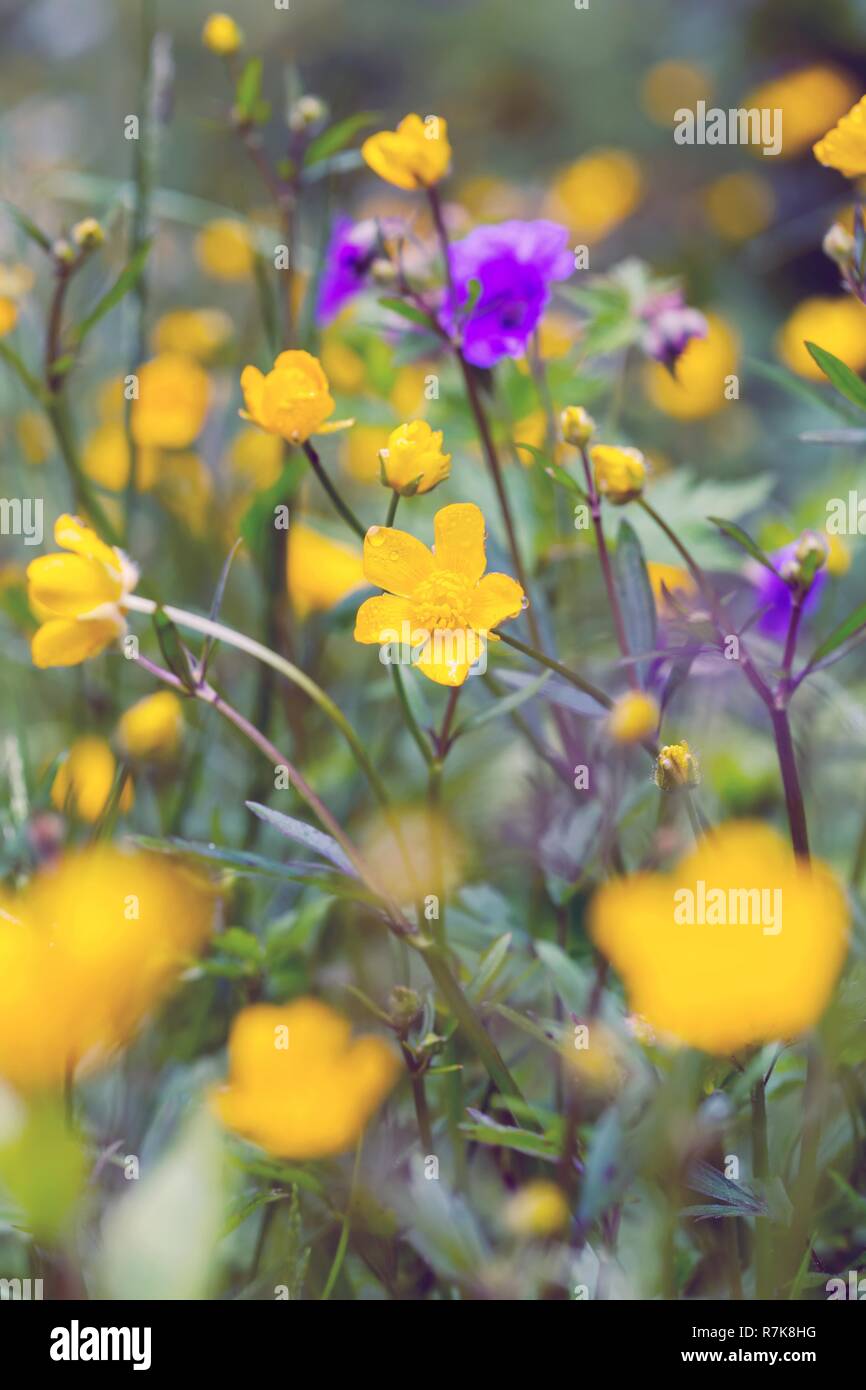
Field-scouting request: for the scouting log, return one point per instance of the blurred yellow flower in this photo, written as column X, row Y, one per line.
column 80, row 595
column 105, row 459
column 837, row 323
column 670, row 582
column 597, row 193
column 221, row 35
column 198, row 333
column 185, row 487
column 436, row 851
column 293, row 400
column 34, row 436
column 536, row 1210
column 344, row 367
column 577, row 426
column 88, row 233
column 596, row 1063
column 809, row 98
column 319, row 572
column 672, row 84
column 413, row 461
column 173, row 397
column 740, row 944
column 224, row 249
column 84, row 780
column 415, row 155
column 620, row 474
column 698, row 389
column 299, row 1085
column 256, row 458
column 8, row 316
column 360, row 451
column 407, row 394
column 15, row 280
column 739, row 206
column 676, row 767
column 635, row 716
column 87, row 948
column 153, row 727
column 838, row 556
column 437, row 603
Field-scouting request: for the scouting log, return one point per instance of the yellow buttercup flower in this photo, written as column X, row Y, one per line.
column 837, row 323
column 221, row 35
column 80, row 595
column 809, row 99
column 596, row 1063
column 198, row 333
column 319, row 572
column 740, row 944
column 8, row 315
column 105, row 459
column 620, row 474
column 437, row 603
column 538, row 1209
column 224, row 249
column 84, row 780
column 672, row 84
column 838, row 556
column 173, row 397
column 293, row 400
column 635, row 716
column 87, row 949
column 698, row 388
column 153, row 727
column 299, row 1085
column 597, row 193
column 256, row 458
column 739, row 206
column 413, row 461
column 844, row 147
column 670, row 582
column 435, row 848
column 676, row 767
column 415, row 155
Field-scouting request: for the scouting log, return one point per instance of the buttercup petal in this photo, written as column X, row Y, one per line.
column 459, row 540
column 65, row 642
column 396, row 561
column 385, row 618
column 496, row 598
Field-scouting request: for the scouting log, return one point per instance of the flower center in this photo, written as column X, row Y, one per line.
column 442, row 601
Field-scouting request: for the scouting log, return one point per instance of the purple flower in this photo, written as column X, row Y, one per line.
column 351, row 251
column 774, row 595
column 670, row 327
column 515, row 264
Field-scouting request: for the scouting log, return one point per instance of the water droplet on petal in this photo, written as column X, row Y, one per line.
column 524, row 602
column 376, row 536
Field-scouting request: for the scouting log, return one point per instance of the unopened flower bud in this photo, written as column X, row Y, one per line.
column 63, row 250
column 88, row 233
column 307, row 112
column 676, row 767
column 633, row 717
column 383, row 271
column 620, row 474
column 838, row 244
column 577, row 426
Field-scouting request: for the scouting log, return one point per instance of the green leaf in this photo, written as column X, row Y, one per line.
column 241, row 861
column 568, row 978
column 846, row 382
column 248, row 90
column 303, row 834
column 636, row 595
column 805, row 391
column 489, row 967
column 29, row 228
column 337, row 136
column 487, row 1131
column 406, row 311
column 8, row 355
column 504, row 705
column 126, row 280
column 173, row 651
column 744, row 540
column 846, row 629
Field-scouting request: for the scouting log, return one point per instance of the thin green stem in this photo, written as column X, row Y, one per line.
column 607, row 571
column 340, row 506
column 760, row 1168
column 411, row 722
column 343, row 1243
column 571, row 676
column 392, row 508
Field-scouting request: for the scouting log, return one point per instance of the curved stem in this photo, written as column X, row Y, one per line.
column 339, row 505
column 607, row 572
column 571, row 676
column 343, row 1242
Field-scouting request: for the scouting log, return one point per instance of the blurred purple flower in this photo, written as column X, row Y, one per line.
column 670, row 327
column 515, row 264
column 351, row 251
column 775, row 596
